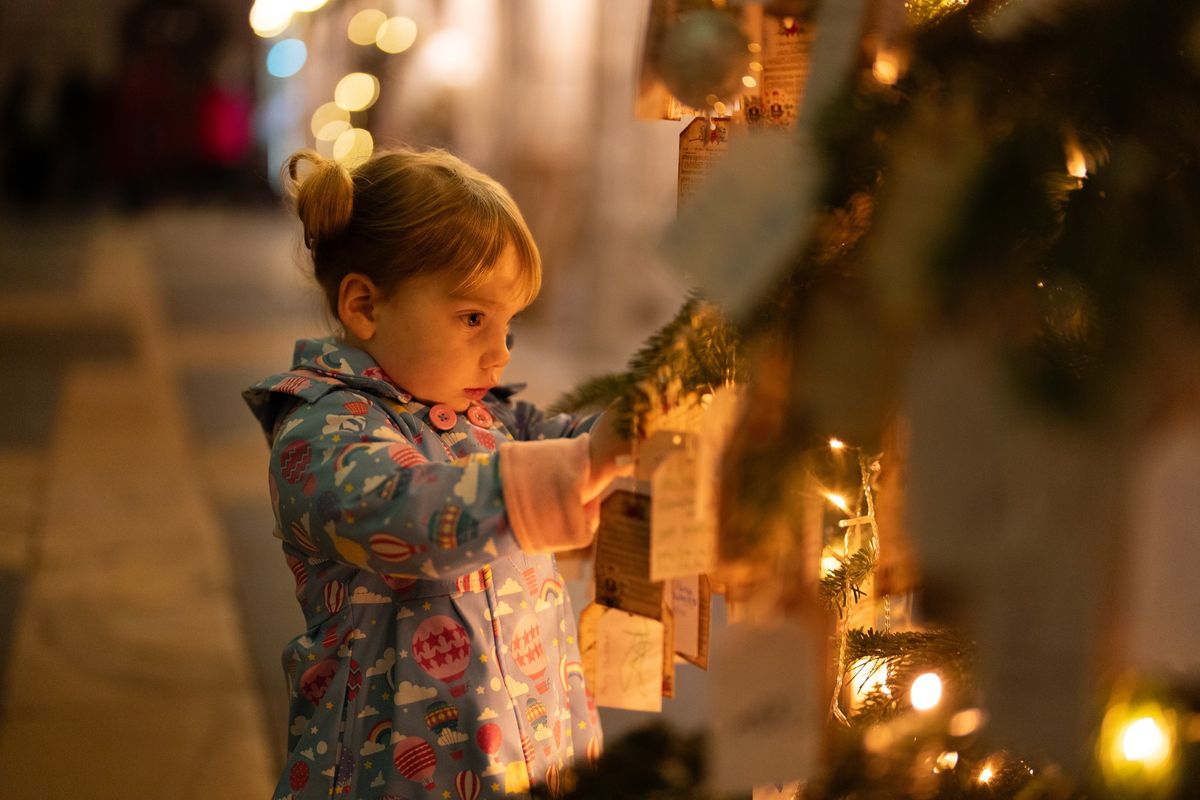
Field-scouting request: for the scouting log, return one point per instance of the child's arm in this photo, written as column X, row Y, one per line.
column 352, row 486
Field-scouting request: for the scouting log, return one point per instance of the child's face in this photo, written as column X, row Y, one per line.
column 444, row 347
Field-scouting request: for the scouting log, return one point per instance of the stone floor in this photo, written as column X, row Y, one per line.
column 144, row 603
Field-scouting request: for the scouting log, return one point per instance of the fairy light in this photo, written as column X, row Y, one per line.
column 364, row 26
column 946, row 761
column 837, row 500
column 965, row 722
column 836, row 444
column 868, row 674
column 986, row 774
column 886, row 68
column 396, row 35
column 926, row 691
column 1138, row 746
column 1145, row 741
column 749, row 81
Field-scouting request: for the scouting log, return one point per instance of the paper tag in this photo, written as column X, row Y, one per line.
column 668, row 650
column 719, row 421
column 622, row 570
column 691, row 608
column 787, row 44
column 622, row 658
column 767, row 685
column 683, row 542
column 701, row 145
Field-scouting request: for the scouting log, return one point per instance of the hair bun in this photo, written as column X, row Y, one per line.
column 323, row 193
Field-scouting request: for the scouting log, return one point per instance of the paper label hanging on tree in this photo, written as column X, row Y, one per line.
column 683, row 541
column 691, row 607
column 718, row 424
column 622, row 658
column 622, row 571
column 701, row 145
column 787, row 45
column 668, row 649
column 769, row 699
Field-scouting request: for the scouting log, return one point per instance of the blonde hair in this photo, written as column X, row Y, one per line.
column 405, row 213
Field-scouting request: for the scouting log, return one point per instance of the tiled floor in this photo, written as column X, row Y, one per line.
column 143, row 601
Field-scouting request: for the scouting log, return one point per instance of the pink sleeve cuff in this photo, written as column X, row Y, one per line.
column 543, row 483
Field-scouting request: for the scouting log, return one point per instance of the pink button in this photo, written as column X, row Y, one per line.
column 480, row 416
column 443, row 417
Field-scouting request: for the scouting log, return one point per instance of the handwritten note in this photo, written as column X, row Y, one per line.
column 622, row 571
column 691, row 609
column 622, row 658
column 767, row 720
column 683, row 541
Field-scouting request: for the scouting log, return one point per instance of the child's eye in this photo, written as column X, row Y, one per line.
column 472, row 320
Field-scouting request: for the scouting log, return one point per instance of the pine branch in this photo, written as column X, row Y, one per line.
column 594, row 393
column 844, row 584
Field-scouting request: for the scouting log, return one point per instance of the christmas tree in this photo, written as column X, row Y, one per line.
column 972, row 391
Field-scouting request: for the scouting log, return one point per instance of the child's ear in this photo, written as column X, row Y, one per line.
column 357, row 296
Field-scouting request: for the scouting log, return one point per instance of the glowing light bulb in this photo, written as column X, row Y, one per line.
column 836, row 444
column 946, row 761
column 838, row 501
column 1145, row 741
column 829, row 564
column 886, row 68
column 926, row 691
column 749, row 81
column 986, row 774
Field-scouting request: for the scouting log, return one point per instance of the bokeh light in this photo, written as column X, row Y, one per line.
column 357, row 91
column 269, row 18
column 353, row 147
column 396, row 35
column 364, row 26
column 450, row 58
column 926, row 691
column 327, row 115
column 308, row 6
column 286, row 57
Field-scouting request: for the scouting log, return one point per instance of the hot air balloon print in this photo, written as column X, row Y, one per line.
column 467, row 784
column 535, row 713
column 415, row 760
column 488, row 737
column 392, row 549
column 316, row 679
column 554, row 781
column 528, row 653
column 299, row 572
column 442, row 719
column 335, row 596
column 442, row 649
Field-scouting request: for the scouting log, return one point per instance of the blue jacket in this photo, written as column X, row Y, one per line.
column 440, row 659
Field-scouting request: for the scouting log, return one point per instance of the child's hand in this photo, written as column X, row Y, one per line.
column 609, row 453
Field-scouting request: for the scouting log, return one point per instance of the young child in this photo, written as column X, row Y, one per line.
column 418, row 505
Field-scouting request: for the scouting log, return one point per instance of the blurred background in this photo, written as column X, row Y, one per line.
column 151, row 272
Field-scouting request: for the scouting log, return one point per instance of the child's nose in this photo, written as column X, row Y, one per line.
column 497, row 355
